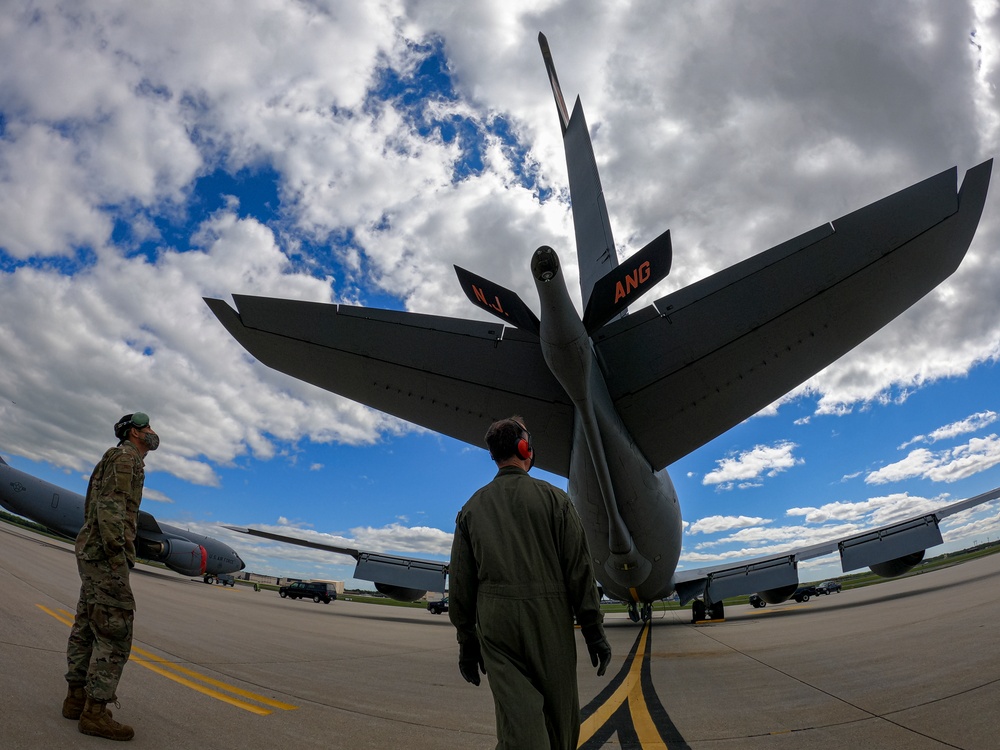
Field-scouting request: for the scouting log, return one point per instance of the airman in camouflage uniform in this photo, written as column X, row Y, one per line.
column 520, row 572
column 101, row 639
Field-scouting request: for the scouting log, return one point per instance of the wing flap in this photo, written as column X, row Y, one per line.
column 448, row 375
column 718, row 351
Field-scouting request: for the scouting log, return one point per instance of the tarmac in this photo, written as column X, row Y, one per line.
column 909, row 664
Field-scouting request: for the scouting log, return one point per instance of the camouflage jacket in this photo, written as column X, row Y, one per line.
column 112, row 507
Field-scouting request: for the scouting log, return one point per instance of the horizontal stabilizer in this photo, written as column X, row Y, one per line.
column 628, row 281
column 497, row 300
column 713, row 353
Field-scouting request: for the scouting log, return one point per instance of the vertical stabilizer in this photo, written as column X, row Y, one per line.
column 595, row 245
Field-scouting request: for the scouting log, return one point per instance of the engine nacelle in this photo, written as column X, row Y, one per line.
column 400, row 593
column 778, row 595
column 180, row 555
column 893, row 568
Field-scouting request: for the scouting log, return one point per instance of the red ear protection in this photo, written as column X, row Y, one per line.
column 524, row 449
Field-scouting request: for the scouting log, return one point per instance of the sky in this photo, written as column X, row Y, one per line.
column 152, row 154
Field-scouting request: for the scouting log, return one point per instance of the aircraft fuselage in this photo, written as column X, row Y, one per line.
column 61, row 511
column 630, row 512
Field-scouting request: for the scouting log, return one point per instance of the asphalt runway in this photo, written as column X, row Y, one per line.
column 908, row 664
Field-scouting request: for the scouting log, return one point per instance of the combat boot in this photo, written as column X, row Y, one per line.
column 76, row 698
column 96, row 720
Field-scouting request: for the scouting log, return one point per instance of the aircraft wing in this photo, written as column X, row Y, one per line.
column 449, row 375
column 712, row 354
column 389, row 571
column 885, row 544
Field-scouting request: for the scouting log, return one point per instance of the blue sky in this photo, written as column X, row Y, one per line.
column 150, row 157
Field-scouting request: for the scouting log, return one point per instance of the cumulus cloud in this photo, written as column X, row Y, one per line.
column 876, row 511
column 717, row 524
column 950, row 465
column 972, row 423
column 116, row 115
column 747, row 468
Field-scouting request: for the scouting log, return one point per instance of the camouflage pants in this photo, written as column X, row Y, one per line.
column 101, row 638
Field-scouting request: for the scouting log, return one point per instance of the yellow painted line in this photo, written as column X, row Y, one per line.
column 642, row 722
column 204, row 690
column 161, row 666
column 630, row 690
column 217, row 683
column 61, row 617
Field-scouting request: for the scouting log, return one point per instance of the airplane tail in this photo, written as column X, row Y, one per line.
column 595, row 244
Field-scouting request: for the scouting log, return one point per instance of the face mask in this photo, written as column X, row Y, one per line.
column 152, row 440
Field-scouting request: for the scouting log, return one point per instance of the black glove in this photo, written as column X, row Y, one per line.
column 599, row 648
column 470, row 660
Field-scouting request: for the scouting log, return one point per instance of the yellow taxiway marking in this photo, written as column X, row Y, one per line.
column 631, row 691
column 175, row 672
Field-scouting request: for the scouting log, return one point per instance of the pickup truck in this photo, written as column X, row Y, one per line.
column 437, row 608
column 828, row 587
column 802, row 593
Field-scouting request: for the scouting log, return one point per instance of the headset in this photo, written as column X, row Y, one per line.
column 523, row 448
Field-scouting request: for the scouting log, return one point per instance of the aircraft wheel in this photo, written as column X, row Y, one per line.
column 647, row 612
column 697, row 610
column 633, row 612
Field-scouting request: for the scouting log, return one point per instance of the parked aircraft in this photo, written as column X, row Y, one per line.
column 61, row 511
column 611, row 398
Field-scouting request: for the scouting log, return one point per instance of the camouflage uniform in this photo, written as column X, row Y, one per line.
column 101, row 639
column 520, row 571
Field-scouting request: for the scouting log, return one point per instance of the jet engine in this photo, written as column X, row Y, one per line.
column 400, row 593
column 180, row 555
column 778, row 595
column 893, row 568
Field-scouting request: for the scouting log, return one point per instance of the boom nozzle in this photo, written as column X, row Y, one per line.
column 544, row 263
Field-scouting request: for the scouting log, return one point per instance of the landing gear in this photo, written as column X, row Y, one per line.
column 702, row 611
column 635, row 614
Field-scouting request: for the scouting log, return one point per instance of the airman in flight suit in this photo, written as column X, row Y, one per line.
column 520, row 573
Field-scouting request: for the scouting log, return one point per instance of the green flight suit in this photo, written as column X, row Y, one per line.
column 100, row 640
column 520, row 572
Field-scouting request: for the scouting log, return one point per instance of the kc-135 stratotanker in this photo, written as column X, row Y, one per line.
column 61, row 511
column 612, row 398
